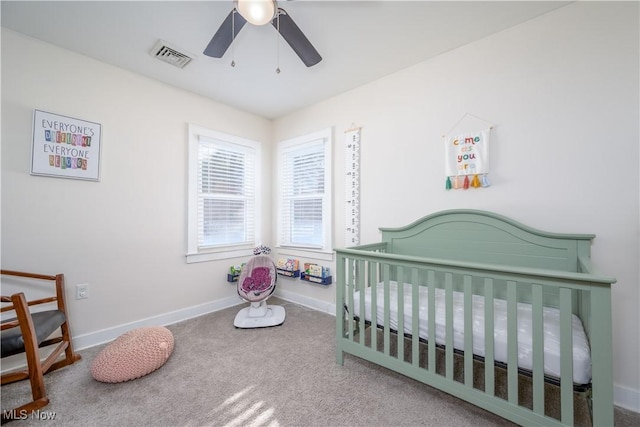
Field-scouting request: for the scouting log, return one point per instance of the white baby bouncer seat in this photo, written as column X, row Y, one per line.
column 256, row 283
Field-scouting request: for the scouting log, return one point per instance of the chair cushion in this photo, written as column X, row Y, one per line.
column 133, row 354
column 44, row 322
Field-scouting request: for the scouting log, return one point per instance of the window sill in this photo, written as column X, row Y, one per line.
column 214, row 256
column 306, row 253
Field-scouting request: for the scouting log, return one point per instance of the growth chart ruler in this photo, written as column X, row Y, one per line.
column 352, row 187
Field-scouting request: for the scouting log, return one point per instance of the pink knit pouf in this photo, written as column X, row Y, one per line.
column 133, row 354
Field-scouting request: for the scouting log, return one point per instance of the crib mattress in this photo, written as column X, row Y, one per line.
column 551, row 316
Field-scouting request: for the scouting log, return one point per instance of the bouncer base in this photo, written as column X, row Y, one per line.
column 260, row 316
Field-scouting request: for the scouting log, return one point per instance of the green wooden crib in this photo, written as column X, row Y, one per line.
column 492, row 289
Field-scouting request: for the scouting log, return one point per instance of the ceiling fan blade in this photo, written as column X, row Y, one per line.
column 296, row 38
column 222, row 38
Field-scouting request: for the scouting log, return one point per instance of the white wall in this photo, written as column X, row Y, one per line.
column 562, row 94
column 126, row 235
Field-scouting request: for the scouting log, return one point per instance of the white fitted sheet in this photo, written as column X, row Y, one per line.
column 551, row 316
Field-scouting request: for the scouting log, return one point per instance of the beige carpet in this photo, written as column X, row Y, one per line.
column 282, row 376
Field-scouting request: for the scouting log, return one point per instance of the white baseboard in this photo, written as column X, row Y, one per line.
column 92, row 339
column 313, row 303
column 106, row 335
column 626, row 398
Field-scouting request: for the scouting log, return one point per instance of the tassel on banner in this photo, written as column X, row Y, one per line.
column 466, row 181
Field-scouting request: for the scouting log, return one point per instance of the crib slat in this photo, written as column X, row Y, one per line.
column 489, row 368
column 566, row 357
column 431, row 279
column 538, row 349
column 415, row 321
column 374, row 312
column 350, row 288
column 468, row 333
column 360, row 286
column 512, row 342
column 400, row 334
column 340, row 309
column 448, row 285
column 387, row 315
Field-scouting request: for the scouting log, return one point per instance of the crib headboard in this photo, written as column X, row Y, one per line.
column 486, row 237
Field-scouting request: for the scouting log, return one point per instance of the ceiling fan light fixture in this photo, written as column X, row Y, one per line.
column 257, row 12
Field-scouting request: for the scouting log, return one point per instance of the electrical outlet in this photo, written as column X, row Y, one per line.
column 82, row 291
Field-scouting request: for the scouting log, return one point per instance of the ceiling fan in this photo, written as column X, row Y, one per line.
column 261, row 12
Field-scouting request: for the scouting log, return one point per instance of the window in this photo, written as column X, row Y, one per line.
column 224, row 205
column 304, row 199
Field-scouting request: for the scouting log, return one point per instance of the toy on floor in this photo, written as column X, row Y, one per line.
column 134, row 354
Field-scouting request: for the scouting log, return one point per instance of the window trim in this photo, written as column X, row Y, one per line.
column 327, row 212
column 194, row 254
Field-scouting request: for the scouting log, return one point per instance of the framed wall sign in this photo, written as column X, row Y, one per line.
column 65, row 147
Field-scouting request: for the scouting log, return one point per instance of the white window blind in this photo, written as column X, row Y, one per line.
column 224, row 203
column 226, row 194
column 304, row 183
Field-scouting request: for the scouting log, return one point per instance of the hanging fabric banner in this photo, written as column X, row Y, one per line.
column 467, row 159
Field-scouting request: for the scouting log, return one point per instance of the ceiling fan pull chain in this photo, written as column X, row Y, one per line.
column 278, row 42
column 233, row 37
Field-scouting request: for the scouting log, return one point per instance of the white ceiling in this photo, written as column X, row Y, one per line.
column 360, row 41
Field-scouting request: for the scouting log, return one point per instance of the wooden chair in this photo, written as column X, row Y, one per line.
column 28, row 332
